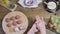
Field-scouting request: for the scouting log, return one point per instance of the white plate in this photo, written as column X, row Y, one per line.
column 21, row 2
column 22, row 17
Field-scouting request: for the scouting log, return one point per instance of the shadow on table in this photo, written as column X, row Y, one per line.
column 1, row 29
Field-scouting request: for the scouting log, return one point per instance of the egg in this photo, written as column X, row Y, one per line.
column 50, row 25
column 58, row 30
column 52, row 21
column 54, row 27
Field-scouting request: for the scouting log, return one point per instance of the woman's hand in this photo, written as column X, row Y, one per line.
column 40, row 24
column 33, row 29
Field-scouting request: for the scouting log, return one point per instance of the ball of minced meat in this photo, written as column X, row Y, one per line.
column 17, row 16
column 12, row 18
column 7, row 20
column 9, row 25
column 19, row 22
column 14, row 23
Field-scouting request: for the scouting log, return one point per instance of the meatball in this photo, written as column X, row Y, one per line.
column 14, row 23
column 9, row 25
column 12, row 18
column 18, row 22
column 17, row 16
column 52, row 21
column 7, row 20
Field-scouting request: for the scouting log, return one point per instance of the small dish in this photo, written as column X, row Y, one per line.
column 9, row 5
column 54, row 5
column 29, row 2
column 33, row 5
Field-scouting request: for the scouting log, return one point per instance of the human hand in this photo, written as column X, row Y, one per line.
column 40, row 24
column 33, row 29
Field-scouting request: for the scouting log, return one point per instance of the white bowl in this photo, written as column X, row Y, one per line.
column 52, row 5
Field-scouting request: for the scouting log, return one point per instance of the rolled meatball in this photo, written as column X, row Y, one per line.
column 18, row 22
column 17, row 16
column 9, row 25
column 12, row 18
column 7, row 20
column 14, row 23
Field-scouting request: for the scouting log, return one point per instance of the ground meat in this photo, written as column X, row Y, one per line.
column 14, row 23
column 17, row 16
column 12, row 18
column 18, row 22
column 9, row 25
column 7, row 20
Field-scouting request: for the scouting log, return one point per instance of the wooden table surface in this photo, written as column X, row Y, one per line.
column 30, row 13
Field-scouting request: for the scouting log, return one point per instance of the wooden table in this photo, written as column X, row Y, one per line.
column 30, row 13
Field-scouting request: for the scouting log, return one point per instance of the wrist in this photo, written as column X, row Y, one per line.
column 31, row 32
column 43, row 31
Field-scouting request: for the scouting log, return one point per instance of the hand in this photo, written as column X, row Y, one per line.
column 33, row 29
column 40, row 24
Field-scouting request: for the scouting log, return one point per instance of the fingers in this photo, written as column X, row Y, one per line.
column 42, row 19
column 37, row 19
column 35, row 28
